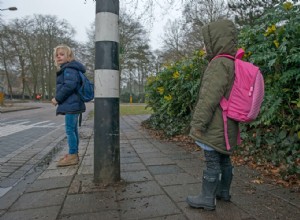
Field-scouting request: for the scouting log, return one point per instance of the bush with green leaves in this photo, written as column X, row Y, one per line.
column 274, row 46
column 172, row 94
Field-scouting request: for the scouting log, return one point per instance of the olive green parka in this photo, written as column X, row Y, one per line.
column 207, row 126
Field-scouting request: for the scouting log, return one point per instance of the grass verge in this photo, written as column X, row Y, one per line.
column 134, row 109
column 131, row 109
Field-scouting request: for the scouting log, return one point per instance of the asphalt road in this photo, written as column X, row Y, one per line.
column 19, row 128
column 30, row 135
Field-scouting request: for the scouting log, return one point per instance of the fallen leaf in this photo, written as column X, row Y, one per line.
column 257, row 181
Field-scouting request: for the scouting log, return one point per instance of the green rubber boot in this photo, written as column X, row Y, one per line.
column 207, row 198
column 223, row 190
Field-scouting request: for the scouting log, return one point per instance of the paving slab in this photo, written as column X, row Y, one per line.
column 47, row 184
column 156, row 154
column 165, row 169
column 147, row 207
column 40, row 199
column 287, row 195
column 14, row 193
column 89, row 203
column 158, row 161
column 138, row 190
column 136, row 176
column 105, row 215
column 175, row 179
column 178, row 193
column 132, row 166
column 225, row 211
column 45, row 213
column 135, row 159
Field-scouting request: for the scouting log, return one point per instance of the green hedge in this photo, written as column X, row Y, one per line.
column 172, row 94
column 273, row 44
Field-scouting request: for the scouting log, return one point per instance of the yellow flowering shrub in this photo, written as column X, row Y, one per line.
column 276, row 43
column 168, row 97
column 288, row 6
column 176, row 75
column 270, row 30
column 160, row 90
column 173, row 94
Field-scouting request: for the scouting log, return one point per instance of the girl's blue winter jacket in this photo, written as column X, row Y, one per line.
column 67, row 83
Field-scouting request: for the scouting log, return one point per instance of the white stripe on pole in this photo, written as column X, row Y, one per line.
column 107, row 83
column 107, row 24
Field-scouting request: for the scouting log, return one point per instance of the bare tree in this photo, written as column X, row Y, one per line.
column 205, row 11
column 196, row 14
column 86, row 52
column 246, row 12
column 30, row 42
column 49, row 32
column 173, row 41
column 183, row 36
column 14, row 42
column 135, row 52
column 5, row 56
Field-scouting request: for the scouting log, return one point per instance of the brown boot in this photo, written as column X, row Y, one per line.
column 68, row 160
column 63, row 157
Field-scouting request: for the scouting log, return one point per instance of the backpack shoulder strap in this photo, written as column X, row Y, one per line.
column 224, row 55
column 239, row 55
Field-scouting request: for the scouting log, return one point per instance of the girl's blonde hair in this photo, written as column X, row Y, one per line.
column 68, row 51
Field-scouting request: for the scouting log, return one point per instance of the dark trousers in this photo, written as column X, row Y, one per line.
column 216, row 161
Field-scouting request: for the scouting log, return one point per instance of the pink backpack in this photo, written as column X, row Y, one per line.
column 246, row 96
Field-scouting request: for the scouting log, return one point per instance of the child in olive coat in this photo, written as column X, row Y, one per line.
column 207, row 127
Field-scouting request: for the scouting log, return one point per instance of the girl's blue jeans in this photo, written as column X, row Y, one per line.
column 71, row 123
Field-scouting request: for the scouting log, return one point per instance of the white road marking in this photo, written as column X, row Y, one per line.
column 8, row 128
column 3, row 191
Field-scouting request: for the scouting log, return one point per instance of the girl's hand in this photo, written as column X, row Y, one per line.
column 54, row 102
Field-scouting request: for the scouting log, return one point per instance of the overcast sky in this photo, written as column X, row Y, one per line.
column 78, row 13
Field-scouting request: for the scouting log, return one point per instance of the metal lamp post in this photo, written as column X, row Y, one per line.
column 9, row 9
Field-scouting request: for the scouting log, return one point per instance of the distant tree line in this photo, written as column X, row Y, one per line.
column 26, row 55
column 26, row 45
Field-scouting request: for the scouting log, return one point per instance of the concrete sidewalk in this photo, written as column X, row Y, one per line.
column 156, row 178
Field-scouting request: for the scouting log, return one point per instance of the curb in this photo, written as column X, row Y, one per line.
column 14, row 109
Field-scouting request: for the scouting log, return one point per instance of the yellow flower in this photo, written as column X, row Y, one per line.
column 160, row 90
column 270, row 30
column 176, row 75
column 273, row 28
column 276, row 43
column 168, row 97
column 201, row 53
column 287, row 6
column 247, row 54
column 150, row 79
